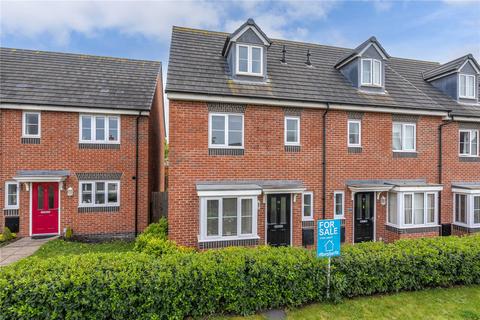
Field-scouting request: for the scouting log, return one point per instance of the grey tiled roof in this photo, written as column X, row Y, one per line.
column 451, row 66
column 76, row 80
column 196, row 66
column 360, row 48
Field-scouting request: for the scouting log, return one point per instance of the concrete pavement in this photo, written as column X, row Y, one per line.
column 20, row 249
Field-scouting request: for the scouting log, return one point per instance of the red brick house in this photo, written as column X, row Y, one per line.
column 267, row 136
column 81, row 143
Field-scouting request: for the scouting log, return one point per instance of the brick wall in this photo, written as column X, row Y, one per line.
column 265, row 158
column 59, row 150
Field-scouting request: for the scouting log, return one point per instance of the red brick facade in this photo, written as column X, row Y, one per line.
column 59, row 150
column 265, row 158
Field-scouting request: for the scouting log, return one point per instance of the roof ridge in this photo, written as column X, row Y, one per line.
column 77, row 54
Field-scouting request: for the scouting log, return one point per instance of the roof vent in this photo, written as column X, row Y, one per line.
column 284, row 51
column 308, row 63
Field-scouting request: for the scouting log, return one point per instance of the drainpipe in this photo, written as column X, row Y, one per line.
column 136, row 172
column 324, row 160
column 440, row 167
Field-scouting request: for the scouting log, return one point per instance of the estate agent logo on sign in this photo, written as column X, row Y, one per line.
column 328, row 238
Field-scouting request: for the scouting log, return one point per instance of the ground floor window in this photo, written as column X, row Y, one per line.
column 412, row 209
column 99, row 193
column 467, row 209
column 228, row 217
column 11, row 195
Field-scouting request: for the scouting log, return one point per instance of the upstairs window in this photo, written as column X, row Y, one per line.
column 249, row 60
column 354, row 133
column 99, row 129
column 468, row 143
column 11, row 195
column 225, row 130
column 371, row 72
column 404, row 137
column 31, row 125
column 307, row 206
column 467, row 86
column 292, row 131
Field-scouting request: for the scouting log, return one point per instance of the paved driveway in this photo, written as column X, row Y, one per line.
column 20, row 249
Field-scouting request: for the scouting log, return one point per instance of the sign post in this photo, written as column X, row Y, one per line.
column 328, row 242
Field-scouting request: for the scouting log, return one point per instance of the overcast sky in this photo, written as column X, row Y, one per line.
column 426, row 30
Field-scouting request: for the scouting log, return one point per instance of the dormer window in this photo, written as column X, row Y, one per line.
column 249, row 60
column 467, row 86
column 371, row 72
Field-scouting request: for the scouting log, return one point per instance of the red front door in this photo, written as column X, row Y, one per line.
column 45, row 208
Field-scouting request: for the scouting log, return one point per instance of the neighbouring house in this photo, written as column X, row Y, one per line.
column 267, row 136
column 81, row 143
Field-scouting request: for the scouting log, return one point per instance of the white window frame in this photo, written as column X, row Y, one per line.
column 203, row 218
column 8, row 206
column 225, row 145
column 250, row 61
column 371, row 82
column 24, row 125
column 466, row 96
column 94, row 183
column 401, row 210
column 289, row 143
column 469, row 210
column 402, row 137
column 307, row 218
column 335, row 204
column 470, row 132
column 359, row 144
column 94, row 129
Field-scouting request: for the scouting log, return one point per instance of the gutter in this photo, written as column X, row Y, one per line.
column 440, row 167
column 324, row 160
column 136, row 172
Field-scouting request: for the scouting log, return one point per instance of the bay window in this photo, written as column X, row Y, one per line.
column 228, row 217
column 412, row 209
column 225, row 130
column 99, row 193
column 467, row 209
column 99, row 129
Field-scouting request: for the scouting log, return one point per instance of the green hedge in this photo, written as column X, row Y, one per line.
column 235, row 280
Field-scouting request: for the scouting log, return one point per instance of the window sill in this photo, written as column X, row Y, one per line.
column 30, row 140
column 99, row 209
column 292, row 148
column 228, row 242
column 83, row 145
column 353, row 149
column 413, row 229
column 308, row 224
column 469, row 158
column 249, row 74
column 466, row 228
column 226, row 151
column 11, row 212
column 405, row 154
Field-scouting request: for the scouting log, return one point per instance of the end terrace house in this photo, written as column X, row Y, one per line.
column 267, row 136
column 81, row 140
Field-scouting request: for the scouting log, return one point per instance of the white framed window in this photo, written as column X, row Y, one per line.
column 467, row 88
column 338, row 200
column 354, row 133
column 249, row 60
column 468, row 143
column 31, row 124
column 466, row 210
column 225, row 130
column 99, row 129
column 292, row 131
column 404, row 137
column 307, row 206
column 228, row 217
column 371, row 72
column 99, row 193
column 412, row 209
column 12, row 193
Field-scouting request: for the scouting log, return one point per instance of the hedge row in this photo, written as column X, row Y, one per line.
column 235, row 280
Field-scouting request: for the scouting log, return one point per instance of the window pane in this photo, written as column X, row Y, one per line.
column 234, row 130
column 463, row 85
column 112, row 129
column 461, row 208
column 292, row 130
column 307, row 205
column 31, row 121
column 100, row 128
column 87, row 193
column 338, row 204
column 247, row 216
column 397, row 137
column 474, row 144
column 407, row 208
column 283, row 210
column 256, row 60
column 464, row 142
column 218, row 129
column 419, row 208
column 292, row 124
column 112, row 193
column 51, row 197
column 354, row 133
column 243, row 58
column 392, row 208
column 377, row 68
column 292, row 136
column 100, row 193
column 212, row 217
column 367, row 71
column 430, row 208
column 12, row 194
column 229, row 217
column 476, row 209
column 409, row 137
column 40, row 197
column 235, row 139
column 86, row 128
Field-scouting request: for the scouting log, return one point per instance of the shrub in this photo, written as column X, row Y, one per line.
column 159, row 229
column 7, row 234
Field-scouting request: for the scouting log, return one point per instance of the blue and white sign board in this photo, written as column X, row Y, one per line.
column 328, row 238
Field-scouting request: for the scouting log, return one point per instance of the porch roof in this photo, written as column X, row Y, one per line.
column 249, row 185
column 41, row 175
column 466, row 187
column 387, row 185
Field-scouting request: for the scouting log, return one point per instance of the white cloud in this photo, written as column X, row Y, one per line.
column 382, row 5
